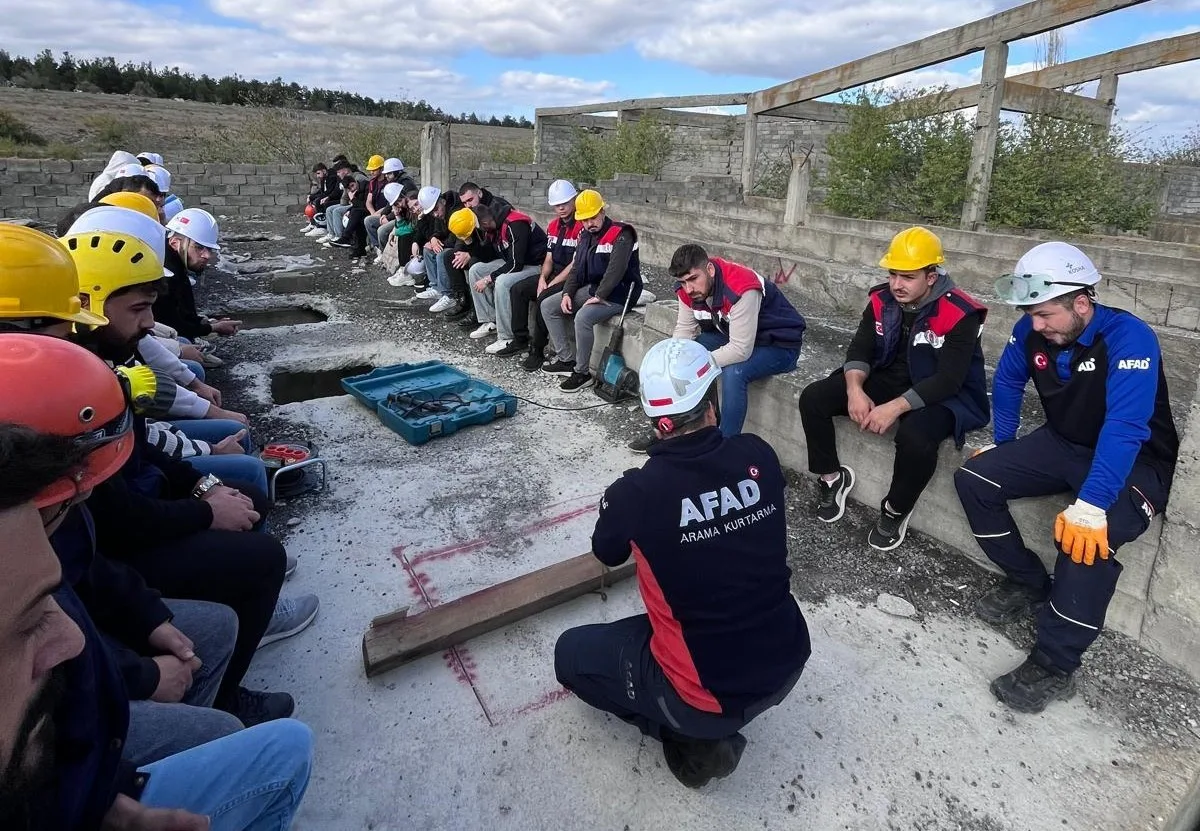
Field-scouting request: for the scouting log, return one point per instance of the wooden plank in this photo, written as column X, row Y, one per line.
column 1144, row 56
column 397, row 641
column 724, row 99
column 1014, row 24
column 987, row 128
column 1018, row 98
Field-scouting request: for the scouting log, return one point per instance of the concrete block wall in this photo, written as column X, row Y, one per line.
column 44, row 189
column 1181, row 194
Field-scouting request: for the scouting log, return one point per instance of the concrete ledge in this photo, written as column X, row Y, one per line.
column 1155, row 602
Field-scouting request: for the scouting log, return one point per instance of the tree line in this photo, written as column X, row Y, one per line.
column 69, row 73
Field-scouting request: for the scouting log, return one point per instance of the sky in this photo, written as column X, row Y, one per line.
column 495, row 57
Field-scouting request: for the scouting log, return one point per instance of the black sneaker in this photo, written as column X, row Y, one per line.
column 558, row 368
column 255, row 707
column 469, row 319
column 695, row 762
column 1009, row 601
column 1033, row 685
column 889, row 531
column 514, row 347
column 533, row 361
column 576, row 382
column 642, row 444
column 462, row 306
column 342, row 243
column 832, row 503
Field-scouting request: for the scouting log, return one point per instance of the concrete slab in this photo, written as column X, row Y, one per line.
column 892, row 725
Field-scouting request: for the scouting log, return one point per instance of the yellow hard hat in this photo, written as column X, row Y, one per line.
column 463, row 223
column 375, row 162
column 588, row 203
column 108, row 262
column 132, row 201
column 911, row 250
column 38, row 278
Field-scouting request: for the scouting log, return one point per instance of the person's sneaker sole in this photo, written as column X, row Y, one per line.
column 287, row 633
column 1020, row 706
column 892, row 545
column 843, row 494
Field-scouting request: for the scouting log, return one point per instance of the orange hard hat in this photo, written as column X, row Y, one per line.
column 91, row 407
column 310, row 210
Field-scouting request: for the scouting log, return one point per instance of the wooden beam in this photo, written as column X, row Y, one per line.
column 1018, row 98
column 1144, row 56
column 749, row 153
column 987, row 128
column 726, row 99
column 1014, row 24
column 397, row 639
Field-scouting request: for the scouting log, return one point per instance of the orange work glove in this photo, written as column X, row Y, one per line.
column 1081, row 531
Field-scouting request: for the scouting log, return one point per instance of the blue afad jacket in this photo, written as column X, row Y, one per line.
column 704, row 519
column 1106, row 391
column 934, row 321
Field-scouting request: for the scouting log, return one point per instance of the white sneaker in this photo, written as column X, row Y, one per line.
column 484, row 330
column 395, row 280
column 493, row 348
column 429, row 294
column 403, row 278
column 442, row 304
column 315, row 231
column 324, row 238
column 304, row 229
column 378, row 259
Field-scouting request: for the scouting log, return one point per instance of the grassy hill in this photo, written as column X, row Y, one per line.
column 83, row 124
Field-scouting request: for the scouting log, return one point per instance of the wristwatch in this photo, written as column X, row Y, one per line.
column 204, row 486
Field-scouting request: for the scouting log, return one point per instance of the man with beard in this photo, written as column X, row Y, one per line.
column 191, row 247
column 1109, row 440
column 63, row 711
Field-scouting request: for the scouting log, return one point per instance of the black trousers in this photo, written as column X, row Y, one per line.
column 918, row 434
column 1041, row 464
column 523, row 294
column 356, row 230
column 241, row 569
column 458, row 276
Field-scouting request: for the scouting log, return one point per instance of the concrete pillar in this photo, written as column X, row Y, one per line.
column 435, row 154
column 987, row 127
column 795, row 211
column 749, row 151
column 538, row 137
column 1106, row 93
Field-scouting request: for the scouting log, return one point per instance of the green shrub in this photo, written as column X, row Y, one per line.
column 110, row 132
column 511, row 153
column 53, row 150
column 17, row 131
column 643, row 146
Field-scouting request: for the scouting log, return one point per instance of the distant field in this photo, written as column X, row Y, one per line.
column 91, row 124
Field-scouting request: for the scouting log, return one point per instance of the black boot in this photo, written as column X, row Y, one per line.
column 1033, row 685
column 696, row 761
column 1009, row 601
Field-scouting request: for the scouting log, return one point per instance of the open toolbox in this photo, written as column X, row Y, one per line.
column 422, row 401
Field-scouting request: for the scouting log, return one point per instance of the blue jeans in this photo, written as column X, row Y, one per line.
column 212, row 430
column 196, row 367
column 435, row 271
column 736, row 378
column 233, row 467
column 335, row 220
column 253, row 780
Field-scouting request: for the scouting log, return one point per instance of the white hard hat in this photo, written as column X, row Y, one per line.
column 393, row 166
column 391, row 192
column 415, row 267
column 124, row 221
column 161, row 177
column 131, row 169
column 675, row 375
column 171, row 207
column 561, row 191
column 153, row 158
column 427, row 198
column 196, row 224
column 1049, row 270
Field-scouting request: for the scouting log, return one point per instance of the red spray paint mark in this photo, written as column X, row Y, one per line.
column 541, row 703
column 782, row 276
column 449, row 551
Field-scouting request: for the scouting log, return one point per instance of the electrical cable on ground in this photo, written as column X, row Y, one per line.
column 409, row 405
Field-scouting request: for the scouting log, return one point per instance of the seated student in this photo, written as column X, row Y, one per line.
column 472, row 247
column 116, row 163
column 192, row 246
column 605, row 277
column 154, row 643
column 562, row 237
column 723, row 639
column 396, row 203
column 752, row 330
column 433, row 239
column 915, row 362
column 364, row 194
column 344, row 175
column 141, row 184
column 171, row 204
column 63, row 707
column 316, row 200
column 381, row 209
column 522, row 244
column 147, row 159
column 472, row 196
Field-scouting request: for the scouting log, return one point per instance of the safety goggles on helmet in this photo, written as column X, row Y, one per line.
column 1031, row 289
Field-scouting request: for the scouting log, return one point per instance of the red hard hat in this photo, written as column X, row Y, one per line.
column 310, row 211
column 89, row 405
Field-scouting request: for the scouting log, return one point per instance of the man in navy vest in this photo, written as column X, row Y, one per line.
column 723, row 638
column 605, row 277
column 562, row 238
column 521, row 243
column 916, row 362
column 752, row 330
column 1109, row 439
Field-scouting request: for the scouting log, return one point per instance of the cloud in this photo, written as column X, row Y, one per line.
column 541, row 89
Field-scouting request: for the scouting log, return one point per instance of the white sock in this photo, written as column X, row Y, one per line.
column 830, row 478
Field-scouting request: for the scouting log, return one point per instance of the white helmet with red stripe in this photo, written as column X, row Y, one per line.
column 675, row 376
